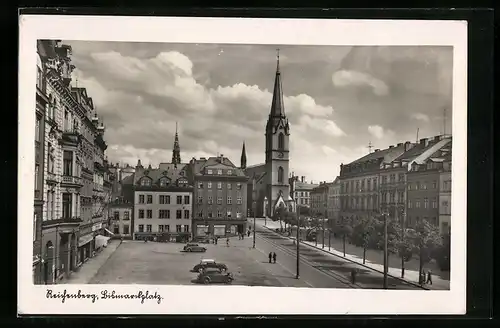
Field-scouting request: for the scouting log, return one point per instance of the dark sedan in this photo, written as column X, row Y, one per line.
column 194, row 248
column 214, row 276
column 209, row 264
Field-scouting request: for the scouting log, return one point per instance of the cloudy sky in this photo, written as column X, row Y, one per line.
column 338, row 99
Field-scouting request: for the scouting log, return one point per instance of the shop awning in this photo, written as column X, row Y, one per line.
column 85, row 240
column 112, row 234
column 100, row 241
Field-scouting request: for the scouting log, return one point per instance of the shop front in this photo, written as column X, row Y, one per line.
column 220, row 228
column 84, row 248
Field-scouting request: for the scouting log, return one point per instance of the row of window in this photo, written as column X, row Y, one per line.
column 220, row 172
column 426, row 203
column 229, row 185
column 126, row 229
column 302, row 201
column 302, row 194
column 371, row 184
column 163, row 199
column 229, row 200
column 164, row 182
column 164, row 214
column 220, row 214
column 126, row 215
column 164, row 228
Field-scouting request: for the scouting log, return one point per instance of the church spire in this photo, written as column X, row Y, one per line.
column 243, row 157
column 277, row 106
column 176, row 152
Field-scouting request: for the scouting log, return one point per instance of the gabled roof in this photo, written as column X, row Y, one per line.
column 430, row 150
column 386, row 155
column 220, row 162
column 156, row 174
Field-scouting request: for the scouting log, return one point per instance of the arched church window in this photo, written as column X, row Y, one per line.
column 281, row 141
column 280, row 175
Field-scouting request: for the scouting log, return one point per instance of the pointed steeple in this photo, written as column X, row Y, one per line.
column 176, row 152
column 139, row 163
column 243, row 157
column 277, row 106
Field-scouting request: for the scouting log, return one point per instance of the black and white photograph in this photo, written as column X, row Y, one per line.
column 222, row 168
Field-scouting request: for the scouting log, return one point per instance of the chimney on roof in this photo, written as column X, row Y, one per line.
column 408, row 145
column 437, row 138
column 391, row 146
column 376, row 150
column 400, row 144
column 302, row 178
column 203, row 159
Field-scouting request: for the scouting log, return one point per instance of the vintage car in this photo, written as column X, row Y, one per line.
column 209, row 264
column 191, row 247
column 214, row 276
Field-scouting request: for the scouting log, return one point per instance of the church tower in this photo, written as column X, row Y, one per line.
column 277, row 147
column 176, row 152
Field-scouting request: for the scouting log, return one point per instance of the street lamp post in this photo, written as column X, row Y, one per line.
column 298, row 241
column 386, row 264
column 253, row 207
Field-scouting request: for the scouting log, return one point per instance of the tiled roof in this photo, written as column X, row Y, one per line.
column 166, row 171
column 215, row 163
column 386, row 155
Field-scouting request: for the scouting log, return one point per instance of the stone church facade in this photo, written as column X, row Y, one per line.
column 268, row 184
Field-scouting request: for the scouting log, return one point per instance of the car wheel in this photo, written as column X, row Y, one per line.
column 206, row 280
column 189, row 250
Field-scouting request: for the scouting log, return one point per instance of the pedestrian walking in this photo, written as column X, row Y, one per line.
column 429, row 277
column 270, row 256
column 227, row 242
column 242, row 236
column 216, row 240
column 248, row 233
column 274, row 257
column 353, row 275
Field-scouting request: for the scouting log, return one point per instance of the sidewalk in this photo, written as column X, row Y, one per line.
column 89, row 269
column 374, row 259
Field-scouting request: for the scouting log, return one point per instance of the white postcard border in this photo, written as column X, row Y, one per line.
column 239, row 299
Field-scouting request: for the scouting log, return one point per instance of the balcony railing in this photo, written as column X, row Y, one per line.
column 72, row 180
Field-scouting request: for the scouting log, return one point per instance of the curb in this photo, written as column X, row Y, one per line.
column 354, row 262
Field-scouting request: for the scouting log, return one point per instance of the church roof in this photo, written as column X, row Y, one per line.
column 277, row 105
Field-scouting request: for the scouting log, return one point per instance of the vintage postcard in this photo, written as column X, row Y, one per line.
column 241, row 166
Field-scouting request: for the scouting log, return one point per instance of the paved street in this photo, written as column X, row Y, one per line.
column 164, row 263
column 324, row 270
column 137, row 262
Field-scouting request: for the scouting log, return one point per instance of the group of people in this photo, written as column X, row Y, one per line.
column 272, row 257
column 426, row 278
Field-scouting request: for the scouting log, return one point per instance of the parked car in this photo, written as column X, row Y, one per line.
column 191, row 247
column 209, row 264
column 210, row 276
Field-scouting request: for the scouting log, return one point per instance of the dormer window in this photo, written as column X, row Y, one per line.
column 182, row 182
column 146, row 182
column 209, row 171
column 164, row 182
column 219, row 172
column 181, row 173
column 229, row 172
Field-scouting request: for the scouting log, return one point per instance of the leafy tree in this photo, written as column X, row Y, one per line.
column 362, row 232
column 278, row 216
column 426, row 240
column 404, row 246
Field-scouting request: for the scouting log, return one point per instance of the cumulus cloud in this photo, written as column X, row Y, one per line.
column 344, row 78
column 420, row 117
column 376, row 130
column 221, row 99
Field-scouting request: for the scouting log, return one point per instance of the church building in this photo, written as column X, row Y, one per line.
column 268, row 185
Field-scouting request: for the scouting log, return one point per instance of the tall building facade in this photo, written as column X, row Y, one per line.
column 268, row 185
column 319, row 200
column 333, row 201
column 380, row 182
column 64, row 164
column 300, row 190
column 120, row 213
column 220, row 196
column 163, row 204
column 41, row 105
